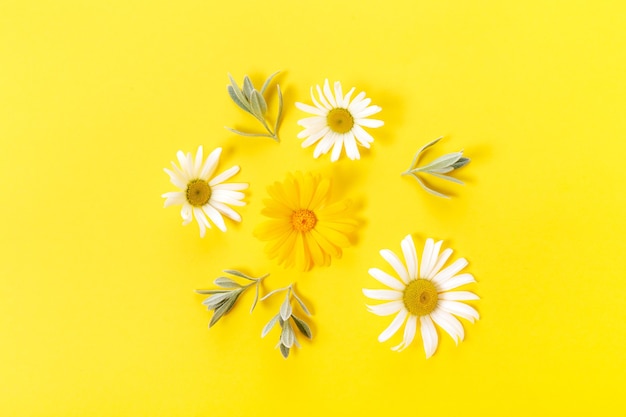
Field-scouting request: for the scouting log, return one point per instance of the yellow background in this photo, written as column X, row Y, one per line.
column 97, row 311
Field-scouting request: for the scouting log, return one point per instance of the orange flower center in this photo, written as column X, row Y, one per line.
column 303, row 220
column 198, row 192
column 340, row 120
column 420, row 297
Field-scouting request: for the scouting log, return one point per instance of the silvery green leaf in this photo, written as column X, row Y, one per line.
column 256, row 296
column 247, row 87
column 422, row 149
column 443, row 161
column 306, row 310
column 284, row 350
column 225, row 282
column 258, row 104
column 241, row 104
column 239, row 274
column 251, row 135
column 287, row 336
column 285, row 309
column 425, row 187
column 224, row 308
column 461, row 163
column 237, row 91
column 443, row 170
column 303, row 327
column 280, row 109
column 209, row 291
column 270, row 325
column 216, row 299
column 267, row 82
column 448, row 178
column 272, row 293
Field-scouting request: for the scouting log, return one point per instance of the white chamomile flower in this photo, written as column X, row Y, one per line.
column 338, row 122
column 203, row 195
column 423, row 295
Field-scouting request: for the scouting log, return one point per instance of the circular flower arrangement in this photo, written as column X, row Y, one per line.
column 305, row 228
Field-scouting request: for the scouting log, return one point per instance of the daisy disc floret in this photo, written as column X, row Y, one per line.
column 202, row 194
column 304, row 228
column 337, row 122
column 421, row 295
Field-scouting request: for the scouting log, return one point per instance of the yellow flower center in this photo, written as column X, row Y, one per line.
column 198, row 192
column 340, row 120
column 420, row 297
column 303, row 220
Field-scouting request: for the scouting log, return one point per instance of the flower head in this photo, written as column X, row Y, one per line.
column 201, row 194
column 338, row 122
column 423, row 295
column 304, row 229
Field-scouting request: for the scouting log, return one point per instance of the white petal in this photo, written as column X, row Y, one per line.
column 314, row 137
column 386, row 309
column 410, row 257
column 186, row 214
column 226, row 211
column 409, row 334
column 383, row 295
column 198, row 162
column 434, row 255
column 325, row 102
column 226, row 200
column 317, row 104
column 312, row 122
column 224, row 175
column 324, row 145
column 230, row 186
column 443, row 258
column 176, row 179
column 329, row 94
column 429, row 335
column 220, row 195
column 450, row 271
column 359, row 103
column 346, row 98
column 339, row 95
column 394, row 326
column 459, row 309
column 184, row 166
column 367, row 112
column 310, row 109
column 336, row 149
column 449, row 324
column 396, row 264
column 203, row 223
column 373, row 123
column 351, row 149
column 386, row 279
column 362, row 136
column 215, row 217
column 457, row 281
column 458, row 296
column 427, row 257
column 210, row 165
column 174, row 198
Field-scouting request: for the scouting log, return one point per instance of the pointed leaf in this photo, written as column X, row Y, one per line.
column 285, row 309
column 461, row 163
column 257, row 104
column 223, row 309
column 443, row 161
column 239, row 274
column 247, row 87
column 425, row 187
column 303, row 327
column 256, row 297
column 267, row 82
column 306, row 310
column 448, row 178
column 270, row 325
column 280, row 111
column 235, row 97
column 287, row 336
column 209, row 291
column 225, row 282
column 284, row 350
column 252, row 135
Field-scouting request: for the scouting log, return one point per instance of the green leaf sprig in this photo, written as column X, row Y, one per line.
column 222, row 301
column 438, row 168
column 288, row 335
column 252, row 101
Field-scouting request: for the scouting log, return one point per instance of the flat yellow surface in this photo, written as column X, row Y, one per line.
column 97, row 311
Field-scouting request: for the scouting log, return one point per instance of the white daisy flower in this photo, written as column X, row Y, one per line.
column 203, row 195
column 338, row 122
column 422, row 296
